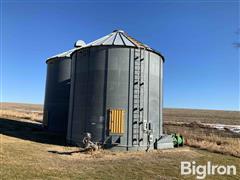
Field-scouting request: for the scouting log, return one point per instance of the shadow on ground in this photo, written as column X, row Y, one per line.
column 29, row 131
column 66, row 152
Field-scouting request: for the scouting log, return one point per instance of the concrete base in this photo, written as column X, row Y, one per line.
column 131, row 148
column 165, row 142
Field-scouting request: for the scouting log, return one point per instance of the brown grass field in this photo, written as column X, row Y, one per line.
column 22, row 111
column 204, row 116
column 188, row 122
column 29, row 152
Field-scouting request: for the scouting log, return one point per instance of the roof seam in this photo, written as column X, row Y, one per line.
column 120, row 34
column 107, row 39
column 126, row 36
column 114, row 39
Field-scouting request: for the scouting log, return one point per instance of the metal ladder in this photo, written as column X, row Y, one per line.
column 138, row 95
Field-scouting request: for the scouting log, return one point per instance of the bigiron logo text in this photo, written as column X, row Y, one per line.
column 201, row 171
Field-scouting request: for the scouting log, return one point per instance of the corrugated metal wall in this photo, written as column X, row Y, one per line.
column 57, row 93
column 102, row 79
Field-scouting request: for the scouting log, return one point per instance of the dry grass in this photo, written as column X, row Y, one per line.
column 34, row 116
column 203, row 116
column 22, row 111
column 215, row 143
column 204, row 137
column 21, row 106
column 188, row 122
column 28, row 159
column 28, row 152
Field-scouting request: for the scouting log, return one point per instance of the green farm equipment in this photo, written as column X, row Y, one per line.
column 178, row 140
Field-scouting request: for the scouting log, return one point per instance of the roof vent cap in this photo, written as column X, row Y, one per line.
column 79, row 43
column 118, row 30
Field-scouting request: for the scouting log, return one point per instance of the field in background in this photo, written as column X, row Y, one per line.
column 203, row 116
column 21, row 106
column 35, row 112
column 211, row 139
column 22, row 111
column 194, row 126
column 29, row 152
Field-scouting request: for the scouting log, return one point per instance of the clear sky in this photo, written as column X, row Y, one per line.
column 196, row 37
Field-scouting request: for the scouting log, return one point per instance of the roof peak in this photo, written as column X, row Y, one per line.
column 117, row 37
column 118, row 30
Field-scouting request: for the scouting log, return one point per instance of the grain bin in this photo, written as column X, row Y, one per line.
column 116, row 93
column 57, row 91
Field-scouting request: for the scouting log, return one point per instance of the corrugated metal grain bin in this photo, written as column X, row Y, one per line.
column 116, row 93
column 57, row 91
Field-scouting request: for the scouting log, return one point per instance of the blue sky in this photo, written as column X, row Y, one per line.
column 201, row 68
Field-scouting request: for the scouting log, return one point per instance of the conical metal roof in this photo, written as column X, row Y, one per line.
column 120, row 38
column 116, row 38
column 64, row 54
